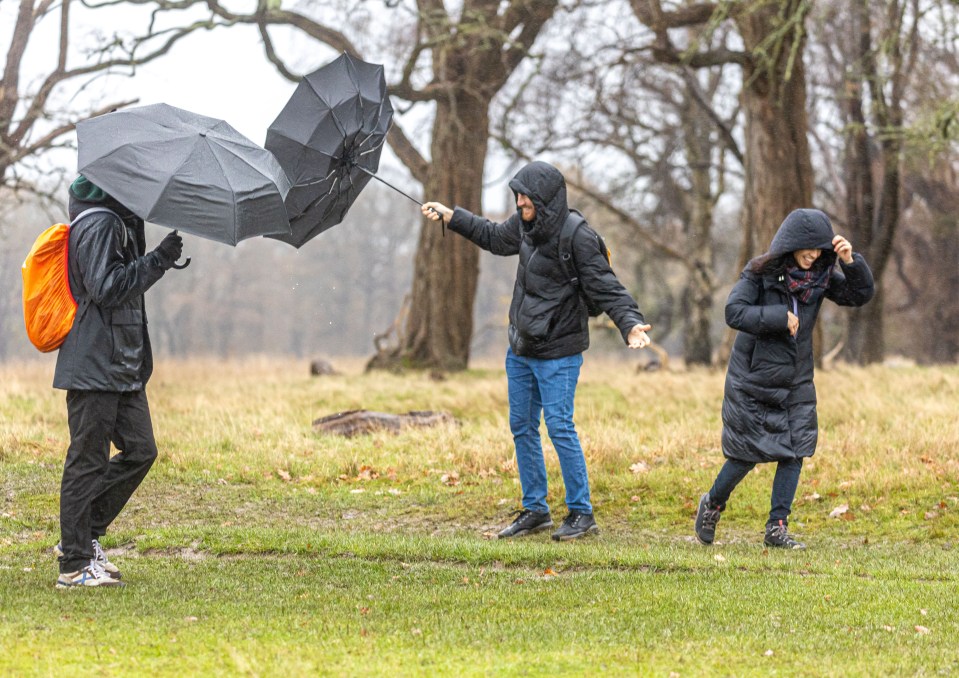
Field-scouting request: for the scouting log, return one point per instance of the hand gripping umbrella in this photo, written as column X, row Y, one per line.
column 328, row 138
column 186, row 171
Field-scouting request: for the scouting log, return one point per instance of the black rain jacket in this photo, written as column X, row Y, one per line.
column 548, row 317
column 769, row 404
column 108, row 348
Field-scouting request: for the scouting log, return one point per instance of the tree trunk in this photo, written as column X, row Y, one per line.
column 446, row 269
column 867, row 342
column 873, row 226
column 778, row 167
column 698, row 295
column 865, row 337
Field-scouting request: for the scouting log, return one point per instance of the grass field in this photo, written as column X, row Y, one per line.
column 257, row 547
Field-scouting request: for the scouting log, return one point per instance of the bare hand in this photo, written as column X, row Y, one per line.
column 637, row 336
column 436, row 211
column 843, row 248
column 792, row 322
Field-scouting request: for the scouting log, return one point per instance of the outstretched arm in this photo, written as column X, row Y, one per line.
column 502, row 239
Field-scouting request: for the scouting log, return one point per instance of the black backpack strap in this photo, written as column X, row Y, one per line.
column 573, row 221
column 85, row 302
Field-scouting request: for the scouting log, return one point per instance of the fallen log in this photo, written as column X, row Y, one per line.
column 359, row 422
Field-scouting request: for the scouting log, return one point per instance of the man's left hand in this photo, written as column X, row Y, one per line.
column 637, row 336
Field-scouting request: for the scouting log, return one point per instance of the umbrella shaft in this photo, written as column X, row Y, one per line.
column 389, row 184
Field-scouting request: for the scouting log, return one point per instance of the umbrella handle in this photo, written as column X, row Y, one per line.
column 442, row 220
column 185, row 263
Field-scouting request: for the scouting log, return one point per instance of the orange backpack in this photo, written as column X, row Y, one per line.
column 49, row 307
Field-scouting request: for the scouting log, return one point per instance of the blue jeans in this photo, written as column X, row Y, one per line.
column 546, row 387
column 785, row 483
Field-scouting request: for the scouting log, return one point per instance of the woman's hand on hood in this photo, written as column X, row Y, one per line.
column 843, row 249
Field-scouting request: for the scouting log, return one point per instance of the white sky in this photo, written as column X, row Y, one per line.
column 222, row 73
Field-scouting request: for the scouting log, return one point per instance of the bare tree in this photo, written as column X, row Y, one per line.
column 454, row 61
column 881, row 61
column 778, row 169
column 647, row 146
column 35, row 114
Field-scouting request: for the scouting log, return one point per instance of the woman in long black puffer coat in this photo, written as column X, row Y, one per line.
column 769, row 404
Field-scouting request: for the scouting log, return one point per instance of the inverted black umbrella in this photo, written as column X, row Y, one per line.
column 186, row 171
column 328, row 138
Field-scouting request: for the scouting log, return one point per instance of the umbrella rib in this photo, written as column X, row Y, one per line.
column 319, row 181
column 229, row 183
column 222, row 143
column 382, row 142
column 374, row 148
column 316, row 202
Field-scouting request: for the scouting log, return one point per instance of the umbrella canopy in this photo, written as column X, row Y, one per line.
column 328, row 139
column 186, row 171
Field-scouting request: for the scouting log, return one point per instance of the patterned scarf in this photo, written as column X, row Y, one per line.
column 807, row 286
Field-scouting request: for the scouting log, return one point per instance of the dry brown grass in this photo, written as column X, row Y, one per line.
column 889, row 436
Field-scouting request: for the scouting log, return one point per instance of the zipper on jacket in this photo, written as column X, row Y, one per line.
column 526, row 272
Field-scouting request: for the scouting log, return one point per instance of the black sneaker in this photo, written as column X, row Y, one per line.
column 527, row 522
column 707, row 516
column 778, row 537
column 576, row 525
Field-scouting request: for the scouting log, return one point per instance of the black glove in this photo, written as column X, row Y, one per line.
column 169, row 249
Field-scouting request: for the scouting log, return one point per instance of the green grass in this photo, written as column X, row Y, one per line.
column 256, row 547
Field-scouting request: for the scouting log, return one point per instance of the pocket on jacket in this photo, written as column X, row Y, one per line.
column 763, row 393
column 773, row 362
column 126, row 328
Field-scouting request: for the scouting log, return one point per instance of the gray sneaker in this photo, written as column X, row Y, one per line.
column 576, row 525
column 707, row 517
column 91, row 575
column 778, row 537
column 527, row 522
column 99, row 556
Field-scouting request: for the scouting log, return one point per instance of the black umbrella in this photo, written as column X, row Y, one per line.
column 328, row 138
column 186, row 171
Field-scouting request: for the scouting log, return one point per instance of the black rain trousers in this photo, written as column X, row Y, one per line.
column 95, row 488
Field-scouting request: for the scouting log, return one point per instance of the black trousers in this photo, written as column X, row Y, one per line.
column 95, row 488
column 785, row 483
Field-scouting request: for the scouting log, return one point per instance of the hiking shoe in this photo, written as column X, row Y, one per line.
column 100, row 556
column 707, row 516
column 576, row 525
column 776, row 536
column 527, row 522
column 91, row 575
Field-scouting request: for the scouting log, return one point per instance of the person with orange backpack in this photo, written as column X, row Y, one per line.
column 104, row 364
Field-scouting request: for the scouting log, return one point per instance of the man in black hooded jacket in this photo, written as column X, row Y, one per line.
column 548, row 333
column 104, row 365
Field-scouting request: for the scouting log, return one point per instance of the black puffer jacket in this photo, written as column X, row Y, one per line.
column 108, row 348
column 769, row 405
column 548, row 317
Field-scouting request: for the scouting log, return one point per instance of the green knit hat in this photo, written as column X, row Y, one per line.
column 87, row 191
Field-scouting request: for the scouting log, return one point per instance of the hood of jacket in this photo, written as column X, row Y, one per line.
column 803, row 229
column 85, row 195
column 545, row 186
